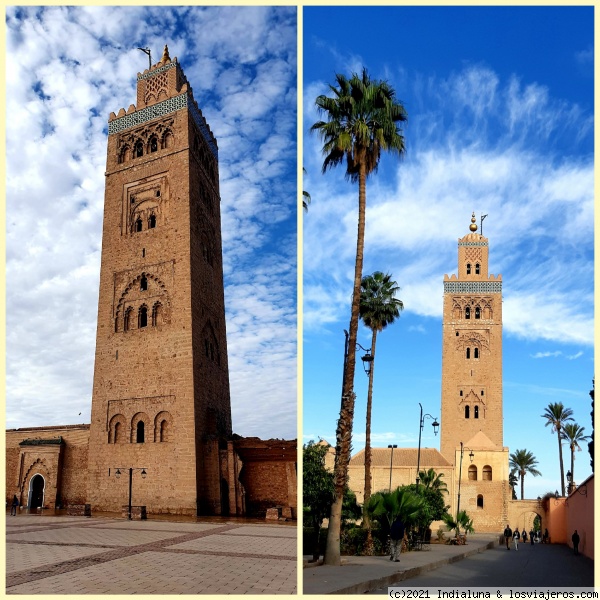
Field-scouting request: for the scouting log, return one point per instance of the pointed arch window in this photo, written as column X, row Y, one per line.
column 476, row 353
column 476, row 412
column 152, row 221
column 143, row 283
column 477, row 269
column 156, row 314
column 477, row 313
column 127, row 319
column 139, row 149
column 138, row 224
column 467, row 411
column 468, row 268
column 164, row 430
column 139, row 438
column 143, row 317
column 468, row 312
column 153, row 145
column 468, row 353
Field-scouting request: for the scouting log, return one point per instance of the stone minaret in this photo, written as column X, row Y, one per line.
column 471, row 410
column 161, row 386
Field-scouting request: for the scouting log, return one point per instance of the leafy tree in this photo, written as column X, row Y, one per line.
column 363, row 120
column 434, row 506
column 317, row 489
column 557, row 416
column 462, row 520
column 573, row 435
column 351, row 510
column 384, row 507
column 378, row 308
column 513, row 481
column 522, row 462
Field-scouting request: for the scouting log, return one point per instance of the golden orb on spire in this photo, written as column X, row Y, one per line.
column 165, row 56
column 473, row 225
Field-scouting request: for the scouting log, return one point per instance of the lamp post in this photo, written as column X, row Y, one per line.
column 131, row 470
column 471, row 456
column 392, row 446
column 569, row 482
column 435, row 426
column 367, row 360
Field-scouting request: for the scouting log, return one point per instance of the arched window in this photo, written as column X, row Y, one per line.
column 467, row 312
column 139, row 149
column 467, row 411
column 479, row 501
column 476, row 412
column 164, row 429
column 473, row 473
column 487, row 473
column 143, row 317
column 138, row 224
column 468, row 268
column 476, row 268
column 143, row 283
column 167, row 140
column 139, row 438
column 127, row 319
column 477, row 313
column 152, row 222
column 468, row 353
column 476, row 353
column 153, row 144
column 117, row 436
column 156, row 314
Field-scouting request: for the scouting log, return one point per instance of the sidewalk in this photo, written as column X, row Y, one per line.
column 360, row 574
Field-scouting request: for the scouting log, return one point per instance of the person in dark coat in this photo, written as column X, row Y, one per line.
column 524, row 536
column 507, row 536
column 575, row 540
column 531, row 536
column 397, row 536
column 13, row 506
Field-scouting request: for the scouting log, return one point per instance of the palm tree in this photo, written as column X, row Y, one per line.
column 513, row 481
column 305, row 196
column 401, row 502
column 363, row 118
column 522, row 462
column 378, row 309
column 433, row 480
column 557, row 416
column 573, row 434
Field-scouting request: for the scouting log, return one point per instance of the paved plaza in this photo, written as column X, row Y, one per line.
column 99, row 555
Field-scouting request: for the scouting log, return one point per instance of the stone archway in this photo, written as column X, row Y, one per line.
column 37, row 485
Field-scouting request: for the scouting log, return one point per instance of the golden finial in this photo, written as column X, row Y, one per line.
column 165, row 56
column 473, row 225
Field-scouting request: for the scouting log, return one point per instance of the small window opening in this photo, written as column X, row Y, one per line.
column 138, row 224
column 479, row 501
column 467, row 412
column 473, row 473
column 477, row 269
column 476, row 353
column 468, row 353
column 482, row 392
column 143, row 252
column 152, row 222
column 117, row 437
column 468, row 268
column 143, row 283
column 478, row 313
column 467, row 312
column 487, row 473
column 461, row 393
column 127, row 320
column 163, row 431
column 139, row 150
column 457, row 334
column 140, row 432
column 153, row 145
column 143, row 318
column 158, row 193
column 476, row 412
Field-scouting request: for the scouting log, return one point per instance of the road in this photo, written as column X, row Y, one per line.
column 541, row 566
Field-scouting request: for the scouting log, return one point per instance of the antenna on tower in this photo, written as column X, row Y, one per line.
column 481, row 224
column 147, row 51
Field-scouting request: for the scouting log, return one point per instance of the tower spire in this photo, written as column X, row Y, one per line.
column 167, row 58
column 473, row 225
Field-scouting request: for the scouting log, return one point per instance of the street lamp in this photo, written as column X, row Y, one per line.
column 392, row 446
column 471, row 456
column 367, row 358
column 435, row 426
column 570, row 482
column 131, row 470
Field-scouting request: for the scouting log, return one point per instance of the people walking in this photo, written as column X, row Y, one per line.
column 507, row 535
column 397, row 536
column 531, row 536
column 546, row 536
column 524, row 535
column 575, row 540
column 13, row 506
column 516, row 537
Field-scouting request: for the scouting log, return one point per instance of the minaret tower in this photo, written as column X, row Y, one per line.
column 161, row 386
column 471, row 410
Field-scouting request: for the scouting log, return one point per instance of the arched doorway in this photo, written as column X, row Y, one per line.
column 36, row 491
column 224, row 498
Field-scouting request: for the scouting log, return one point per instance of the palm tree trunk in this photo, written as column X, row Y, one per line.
column 572, row 468
column 368, row 550
column 522, row 484
column 560, row 459
column 344, row 427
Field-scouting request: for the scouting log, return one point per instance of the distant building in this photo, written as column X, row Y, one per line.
column 161, row 380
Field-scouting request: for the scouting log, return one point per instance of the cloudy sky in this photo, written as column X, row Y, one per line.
column 500, row 122
column 68, row 69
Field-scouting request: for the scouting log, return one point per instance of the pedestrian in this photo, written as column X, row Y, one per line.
column 546, row 536
column 507, row 535
column 575, row 540
column 13, row 506
column 397, row 536
column 524, row 536
column 531, row 536
column 516, row 537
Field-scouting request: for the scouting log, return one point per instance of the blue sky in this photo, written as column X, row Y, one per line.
column 500, row 122
column 68, row 69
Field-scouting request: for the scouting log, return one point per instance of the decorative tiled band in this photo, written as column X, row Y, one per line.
column 472, row 287
column 161, row 109
column 156, row 71
column 472, row 243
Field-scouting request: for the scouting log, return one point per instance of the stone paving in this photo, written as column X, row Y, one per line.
column 77, row 555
